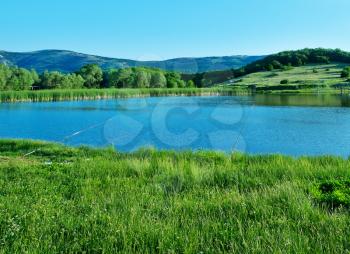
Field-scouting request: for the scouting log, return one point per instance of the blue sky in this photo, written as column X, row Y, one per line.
column 161, row 29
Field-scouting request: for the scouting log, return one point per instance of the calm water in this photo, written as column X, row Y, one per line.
column 293, row 125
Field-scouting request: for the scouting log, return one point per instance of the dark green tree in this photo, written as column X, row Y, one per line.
column 345, row 72
column 158, row 80
column 92, row 74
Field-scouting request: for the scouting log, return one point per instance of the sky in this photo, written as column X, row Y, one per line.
column 163, row 29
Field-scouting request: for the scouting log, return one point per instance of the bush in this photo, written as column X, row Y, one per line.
column 346, row 72
column 284, row 82
column 274, row 74
column 287, row 68
column 333, row 193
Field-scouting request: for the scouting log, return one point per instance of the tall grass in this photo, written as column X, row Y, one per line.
column 82, row 94
column 61, row 199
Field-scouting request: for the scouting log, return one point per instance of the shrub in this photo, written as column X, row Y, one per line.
column 333, row 193
column 346, row 72
column 284, row 82
column 274, row 74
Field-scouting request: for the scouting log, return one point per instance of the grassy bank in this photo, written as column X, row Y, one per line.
column 84, row 94
column 61, row 199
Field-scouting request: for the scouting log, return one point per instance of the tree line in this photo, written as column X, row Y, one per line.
column 90, row 76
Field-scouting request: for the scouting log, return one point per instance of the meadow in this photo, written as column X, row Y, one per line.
column 56, row 199
column 323, row 78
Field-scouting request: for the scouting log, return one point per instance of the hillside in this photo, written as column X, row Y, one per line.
column 312, row 77
column 69, row 61
column 280, row 62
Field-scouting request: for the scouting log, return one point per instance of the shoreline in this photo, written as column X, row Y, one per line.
column 102, row 94
column 37, row 143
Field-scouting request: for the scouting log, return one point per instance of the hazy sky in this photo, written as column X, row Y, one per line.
column 160, row 29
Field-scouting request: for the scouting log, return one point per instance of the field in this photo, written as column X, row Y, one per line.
column 310, row 78
column 59, row 199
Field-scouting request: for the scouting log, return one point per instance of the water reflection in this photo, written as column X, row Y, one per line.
column 322, row 100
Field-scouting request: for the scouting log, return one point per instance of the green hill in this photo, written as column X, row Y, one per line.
column 280, row 62
column 313, row 77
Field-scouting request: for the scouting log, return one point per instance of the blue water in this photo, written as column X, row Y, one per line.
column 261, row 124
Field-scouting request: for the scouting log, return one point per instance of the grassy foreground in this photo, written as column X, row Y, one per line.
column 62, row 199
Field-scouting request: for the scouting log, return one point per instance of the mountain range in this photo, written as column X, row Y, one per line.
column 69, row 61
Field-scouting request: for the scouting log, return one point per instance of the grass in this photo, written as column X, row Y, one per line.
column 82, row 94
column 305, row 79
column 77, row 200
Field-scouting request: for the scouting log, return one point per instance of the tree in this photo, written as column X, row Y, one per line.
column 125, row 78
column 276, row 64
column 111, row 78
column 345, row 72
column 21, row 79
column 51, row 80
column 190, row 84
column 174, row 80
column 73, row 81
column 198, row 78
column 158, row 80
column 142, row 78
column 269, row 67
column 92, row 74
column 5, row 74
column 181, row 84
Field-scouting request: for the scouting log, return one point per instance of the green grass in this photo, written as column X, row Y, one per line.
column 305, row 79
column 84, row 94
column 61, row 199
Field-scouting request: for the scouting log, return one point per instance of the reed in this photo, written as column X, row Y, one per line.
column 92, row 94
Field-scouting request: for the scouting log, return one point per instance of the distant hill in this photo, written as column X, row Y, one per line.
column 69, row 61
column 280, row 61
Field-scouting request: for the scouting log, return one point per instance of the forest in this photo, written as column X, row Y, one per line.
column 89, row 76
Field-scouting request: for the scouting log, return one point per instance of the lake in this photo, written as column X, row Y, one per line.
column 260, row 124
